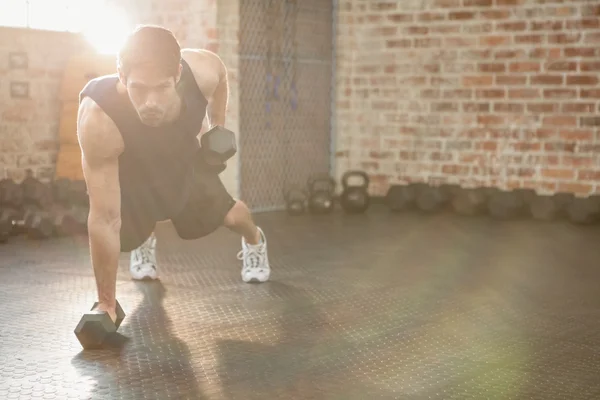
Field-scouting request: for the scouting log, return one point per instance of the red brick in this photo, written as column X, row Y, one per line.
column 592, row 38
column 580, row 52
column 492, row 67
column 560, row 120
column 430, row 94
column 368, row 69
column 524, row 93
column 582, row 80
column 558, row 173
column 584, row 23
column 400, row 17
column 577, row 188
column 546, row 79
column 590, row 10
column 560, row 147
column 512, row 26
column 490, row 94
column 528, row 39
column 502, row 54
column 445, row 29
column 542, row 108
column 461, row 15
column 587, row 66
column 440, row 156
column 546, row 25
column 494, row 40
column 496, row 14
column 590, row 93
column 399, row 43
column 510, row 2
column 485, row 27
column 560, row 93
column 564, row 38
column 561, row 66
column 511, row 80
column 458, row 93
column 576, row 134
column 578, row 107
column 444, row 107
column 483, row 80
column 416, row 30
column 446, row 3
column 588, row 175
column 476, row 107
column 589, row 121
column 383, row 5
column 509, row 108
column 490, row 119
column 524, row 67
column 428, row 42
column 459, row 41
column 455, row 169
column 431, row 16
column 477, row 3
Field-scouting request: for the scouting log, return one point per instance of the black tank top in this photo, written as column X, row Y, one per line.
column 156, row 166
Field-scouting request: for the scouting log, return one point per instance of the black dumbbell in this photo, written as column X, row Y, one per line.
column 321, row 191
column 470, row 201
column 71, row 221
column 507, row 204
column 549, row 207
column 584, row 210
column 401, row 197
column 95, row 327
column 11, row 193
column 36, row 193
column 354, row 198
column 217, row 146
column 434, row 198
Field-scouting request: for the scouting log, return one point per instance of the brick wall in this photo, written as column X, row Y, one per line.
column 482, row 92
column 29, row 126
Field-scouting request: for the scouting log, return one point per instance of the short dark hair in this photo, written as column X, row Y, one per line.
column 150, row 45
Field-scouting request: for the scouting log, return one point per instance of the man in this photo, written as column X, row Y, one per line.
column 138, row 131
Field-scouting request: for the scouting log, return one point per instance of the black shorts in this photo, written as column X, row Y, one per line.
column 205, row 211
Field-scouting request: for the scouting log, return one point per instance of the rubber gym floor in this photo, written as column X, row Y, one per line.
column 374, row 306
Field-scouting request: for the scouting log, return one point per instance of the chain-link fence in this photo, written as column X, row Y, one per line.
column 285, row 96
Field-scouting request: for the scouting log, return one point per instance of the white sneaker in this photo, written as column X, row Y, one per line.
column 255, row 262
column 142, row 262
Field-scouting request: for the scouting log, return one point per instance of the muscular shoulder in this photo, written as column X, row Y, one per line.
column 98, row 135
column 207, row 67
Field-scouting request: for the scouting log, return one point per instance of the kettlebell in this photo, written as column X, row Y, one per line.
column 355, row 198
column 320, row 195
column 295, row 200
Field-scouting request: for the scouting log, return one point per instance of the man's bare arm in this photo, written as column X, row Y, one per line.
column 211, row 76
column 101, row 145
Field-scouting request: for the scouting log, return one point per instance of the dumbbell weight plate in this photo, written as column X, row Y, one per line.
column 95, row 327
column 470, row 201
column 401, row 197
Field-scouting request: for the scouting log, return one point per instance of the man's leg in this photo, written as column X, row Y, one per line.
column 255, row 260
column 210, row 206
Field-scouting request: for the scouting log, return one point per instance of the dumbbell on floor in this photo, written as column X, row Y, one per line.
column 434, row 198
column 548, row 207
column 401, row 197
column 584, row 210
column 470, row 201
column 95, row 327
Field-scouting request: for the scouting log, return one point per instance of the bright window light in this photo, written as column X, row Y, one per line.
column 100, row 21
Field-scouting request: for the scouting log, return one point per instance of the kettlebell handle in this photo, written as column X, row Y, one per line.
column 293, row 190
column 312, row 182
column 354, row 173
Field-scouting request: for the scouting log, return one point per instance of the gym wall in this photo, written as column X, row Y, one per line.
column 481, row 92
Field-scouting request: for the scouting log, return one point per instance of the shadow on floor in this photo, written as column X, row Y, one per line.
column 156, row 364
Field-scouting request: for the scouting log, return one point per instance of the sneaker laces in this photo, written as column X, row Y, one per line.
column 253, row 255
column 145, row 252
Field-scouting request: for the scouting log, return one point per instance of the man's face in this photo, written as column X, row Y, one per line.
column 152, row 93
